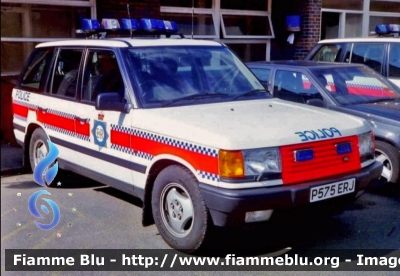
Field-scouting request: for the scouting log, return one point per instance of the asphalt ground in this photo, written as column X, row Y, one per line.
column 94, row 216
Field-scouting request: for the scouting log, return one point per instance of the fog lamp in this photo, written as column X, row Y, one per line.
column 256, row 216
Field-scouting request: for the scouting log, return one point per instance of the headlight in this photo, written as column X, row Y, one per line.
column 366, row 146
column 249, row 162
column 262, row 161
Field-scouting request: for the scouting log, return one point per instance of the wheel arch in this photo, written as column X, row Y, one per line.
column 153, row 171
column 29, row 130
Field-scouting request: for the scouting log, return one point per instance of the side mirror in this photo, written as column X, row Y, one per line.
column 315, row 102
column 110, row 101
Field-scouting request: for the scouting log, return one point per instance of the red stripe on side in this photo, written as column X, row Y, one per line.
column 20, row 110
column 197, row 160
column 82, row 128
column 56, row 121
column 120, row 138
column 326, row 161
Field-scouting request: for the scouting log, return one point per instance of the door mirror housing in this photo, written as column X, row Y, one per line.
column 111, row 101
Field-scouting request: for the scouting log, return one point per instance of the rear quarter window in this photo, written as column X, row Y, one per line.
column 370, row 54
column 34, row 76
column 329, row 53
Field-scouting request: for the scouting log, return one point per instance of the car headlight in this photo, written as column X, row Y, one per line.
column 366, row 146
column 249, row 162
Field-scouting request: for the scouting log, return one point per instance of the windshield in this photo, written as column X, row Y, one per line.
column 184, row 75
column 355, row 85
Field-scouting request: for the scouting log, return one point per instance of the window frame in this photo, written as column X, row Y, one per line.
column 246, row 13
column 122, row 68
column 387, row 66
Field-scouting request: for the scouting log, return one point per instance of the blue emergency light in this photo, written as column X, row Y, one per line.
column 303, row 155
column 343, row 148
column 129, row 24
column 90, row 24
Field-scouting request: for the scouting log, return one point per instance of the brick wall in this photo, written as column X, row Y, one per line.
column 118, row 9
column 310, row 12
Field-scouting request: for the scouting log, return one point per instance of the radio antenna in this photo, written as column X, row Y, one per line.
column 129, row 15
column 192, row 17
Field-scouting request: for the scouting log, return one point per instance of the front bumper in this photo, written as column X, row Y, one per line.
column 228, row 206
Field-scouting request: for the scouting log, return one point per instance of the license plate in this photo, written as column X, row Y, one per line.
column 332, row 190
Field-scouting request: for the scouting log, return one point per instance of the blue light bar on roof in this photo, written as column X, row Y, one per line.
column 148, row 24
column 387, row 29
column 90, row 24
column 129, row 24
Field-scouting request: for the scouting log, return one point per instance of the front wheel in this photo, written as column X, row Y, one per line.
column 389, row 156
column 179, row 211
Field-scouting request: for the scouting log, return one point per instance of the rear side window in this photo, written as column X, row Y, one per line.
column 295, row 87
column 370, row 54
column 329, row 53
column 394, row 61
column 34, row 77
column 65, row 74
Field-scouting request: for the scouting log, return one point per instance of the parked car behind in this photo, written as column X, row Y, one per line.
column 380, row 53
column 351, row 88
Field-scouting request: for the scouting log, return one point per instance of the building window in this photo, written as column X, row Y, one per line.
column 384, row 6
column 357, row 18
column 343, row 5
column 203, row 24
column 249, row 52
column 353, row 25
column 187, row 3
column 251, row 5
column 24, row 26
column 245, row 26
column 239, row 26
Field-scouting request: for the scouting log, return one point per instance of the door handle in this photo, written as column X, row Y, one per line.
column 82, row 120
column 44, row 110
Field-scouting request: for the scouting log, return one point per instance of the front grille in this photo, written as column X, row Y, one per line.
column 326, row 162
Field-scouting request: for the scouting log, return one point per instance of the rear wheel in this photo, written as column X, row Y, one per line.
column 390, row 157
column 179, row 211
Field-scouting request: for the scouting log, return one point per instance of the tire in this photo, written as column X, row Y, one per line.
column 38, row 149
column 179, row 211
column 390, row 157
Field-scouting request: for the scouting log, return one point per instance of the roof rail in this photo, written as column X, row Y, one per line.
column 91, row 29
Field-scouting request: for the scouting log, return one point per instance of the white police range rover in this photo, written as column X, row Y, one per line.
column 186, row 127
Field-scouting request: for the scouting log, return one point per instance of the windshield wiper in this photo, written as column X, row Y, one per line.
column 194, row 97
column 250, row 93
